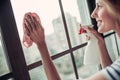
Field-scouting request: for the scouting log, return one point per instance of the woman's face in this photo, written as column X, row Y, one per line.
column 105, row 20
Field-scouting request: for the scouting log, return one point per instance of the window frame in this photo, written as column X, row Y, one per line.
column 11, row 44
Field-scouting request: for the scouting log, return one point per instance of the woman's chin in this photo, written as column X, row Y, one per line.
column 103, row 30
column 100, row 31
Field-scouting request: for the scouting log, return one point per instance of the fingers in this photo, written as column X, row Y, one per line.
column 91, row 29
column 36, row 16
column 37, row 21
column 80, row 25
column 27, row 29
column 32, row 23
column 98, row 36
column 29, row 20
column 87, row 37
column 29, row 23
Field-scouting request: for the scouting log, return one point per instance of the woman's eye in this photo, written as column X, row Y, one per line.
column 99, row 6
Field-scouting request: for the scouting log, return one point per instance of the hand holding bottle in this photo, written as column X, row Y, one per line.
column 91, row 55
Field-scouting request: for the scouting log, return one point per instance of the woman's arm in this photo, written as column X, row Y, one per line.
column 104, row 56
column 49, row 67
column 35, row 30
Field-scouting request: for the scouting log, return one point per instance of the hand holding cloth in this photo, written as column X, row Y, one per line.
column 32, row 28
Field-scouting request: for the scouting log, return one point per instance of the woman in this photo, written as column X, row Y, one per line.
column 107, row 14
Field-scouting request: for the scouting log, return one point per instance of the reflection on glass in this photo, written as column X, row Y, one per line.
column 3, row 61
column 65, row 68
column 84, row 71
column 38, row 74
column 76, row 13
column 51, row 19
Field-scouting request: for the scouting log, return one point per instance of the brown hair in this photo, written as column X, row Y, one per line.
column 114, row 6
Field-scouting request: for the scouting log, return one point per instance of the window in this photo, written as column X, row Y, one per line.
column 61, row 26
column 60, row 20
column 112, row 43
column 54, row 25
column 4, row 65
column 51, row 19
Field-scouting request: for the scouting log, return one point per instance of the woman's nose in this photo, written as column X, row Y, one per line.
column 94, row 14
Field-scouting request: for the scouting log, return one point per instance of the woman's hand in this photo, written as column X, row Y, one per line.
column 104, row 56
column 97, row 35
column 34, row 28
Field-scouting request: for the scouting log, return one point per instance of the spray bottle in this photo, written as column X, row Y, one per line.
column 91, row 55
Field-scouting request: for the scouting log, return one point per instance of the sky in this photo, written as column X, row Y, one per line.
column 46, row 9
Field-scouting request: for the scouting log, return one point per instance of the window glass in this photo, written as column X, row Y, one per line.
column 118, row 43
column 65, row 67
column 111, row 45
column 51, row 19
column 79, row 56
column 76, row 13
column 38, row 74
column 3, row 60
column 84, row 71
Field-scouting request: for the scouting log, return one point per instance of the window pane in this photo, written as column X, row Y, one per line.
column 63, row 65
column 49, row 13
column 65, row 68
column 84, row 71
column 38, row 74
column 3, row 61
column 118, row 43
column 84, row 12
column 111, row 46
column 76, row 13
